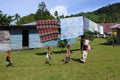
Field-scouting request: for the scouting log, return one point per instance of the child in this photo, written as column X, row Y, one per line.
column 48, row 56
column 67, row 54
column 8, row 61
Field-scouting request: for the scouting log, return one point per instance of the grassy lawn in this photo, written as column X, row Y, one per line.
column 103, row 63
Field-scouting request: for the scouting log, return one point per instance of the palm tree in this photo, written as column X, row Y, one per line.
column 5, row 19
column 17, row 17
column 56, row 15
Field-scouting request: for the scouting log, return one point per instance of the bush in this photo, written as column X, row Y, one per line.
column 62, row 43
column 90, row 35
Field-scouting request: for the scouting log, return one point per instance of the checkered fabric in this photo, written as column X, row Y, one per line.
column 48, row 29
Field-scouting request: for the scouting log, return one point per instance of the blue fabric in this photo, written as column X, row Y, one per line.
column 86, row 23
column 71, row 27
column 91, row 26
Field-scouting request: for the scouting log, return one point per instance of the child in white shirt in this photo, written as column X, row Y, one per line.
column 48, row 56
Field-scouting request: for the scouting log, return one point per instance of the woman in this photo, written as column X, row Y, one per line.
column 84, row 45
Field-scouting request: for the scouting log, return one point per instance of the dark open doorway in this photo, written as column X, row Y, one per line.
column 25, row 40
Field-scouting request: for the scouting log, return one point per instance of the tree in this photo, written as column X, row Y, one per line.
column 42, row 12
column 56, row 15
column 26, row 19
column 42, row 6
column 62, row 16
column 17, row 17
column 5, row 19
column 89, row 34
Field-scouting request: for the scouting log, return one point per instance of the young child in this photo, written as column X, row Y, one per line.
column 8, row 61
column 48, row 56
column 67, row 54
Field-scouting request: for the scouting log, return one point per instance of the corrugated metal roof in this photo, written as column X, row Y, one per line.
column 29, row 24
column 115, row 26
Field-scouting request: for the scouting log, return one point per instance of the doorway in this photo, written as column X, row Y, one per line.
column 25, row 40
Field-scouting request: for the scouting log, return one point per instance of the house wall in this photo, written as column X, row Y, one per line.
column 16, row 39
column 34, row 39
column 4, row 40
column 54, row 42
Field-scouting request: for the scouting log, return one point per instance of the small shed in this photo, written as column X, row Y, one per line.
column 25, row 36
column 116, row 28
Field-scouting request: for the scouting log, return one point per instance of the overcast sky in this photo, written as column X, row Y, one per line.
column 65, row 7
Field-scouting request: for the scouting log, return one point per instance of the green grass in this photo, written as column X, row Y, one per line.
column 103, row 63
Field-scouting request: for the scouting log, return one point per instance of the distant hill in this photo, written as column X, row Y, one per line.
column 109, row 13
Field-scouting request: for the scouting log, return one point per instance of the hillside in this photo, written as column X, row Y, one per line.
column 105, row 14
column 109, row 13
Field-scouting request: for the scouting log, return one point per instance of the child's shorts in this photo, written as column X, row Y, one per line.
column 7, row 63
column 67, row 58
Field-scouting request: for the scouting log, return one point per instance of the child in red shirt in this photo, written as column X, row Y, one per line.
column 67, row 54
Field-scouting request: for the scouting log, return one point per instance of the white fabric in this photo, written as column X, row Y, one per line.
column 84, row 56
column 47, row 56
column 86, row 42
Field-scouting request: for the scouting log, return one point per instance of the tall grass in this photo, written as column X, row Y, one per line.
column 103, row 63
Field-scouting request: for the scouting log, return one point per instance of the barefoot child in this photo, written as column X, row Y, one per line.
column 48, row 56
column 67, row 54
column 8, row 61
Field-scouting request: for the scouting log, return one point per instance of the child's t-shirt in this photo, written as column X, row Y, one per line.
column 68, row 53
column 47, row 56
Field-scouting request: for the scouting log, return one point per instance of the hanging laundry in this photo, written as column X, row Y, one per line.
column 71, row 27
column 48, row 29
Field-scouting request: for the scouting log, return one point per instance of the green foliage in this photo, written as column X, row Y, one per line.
column 17, row 17
column 109, row 13
column 89, row 34
column 42, row 12
column 112, row 39
column 62, row 43
column 56, row 15
column 5, row 19
column 91, row 16
column 26, row 19
column 43, row 15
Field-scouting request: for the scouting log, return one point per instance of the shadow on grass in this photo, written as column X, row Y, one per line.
column 57, row 52
column 105, row 44
column 52, row 52
column 64, row 51
column 41, row 53
column 76, row 59
column 108, row 44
